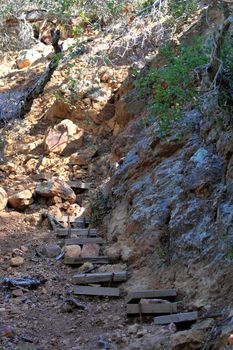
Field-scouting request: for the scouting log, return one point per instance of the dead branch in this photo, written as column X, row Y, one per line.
column 215, row 66
column 38, row 87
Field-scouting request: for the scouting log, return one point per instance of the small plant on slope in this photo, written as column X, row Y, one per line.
column 174, row 85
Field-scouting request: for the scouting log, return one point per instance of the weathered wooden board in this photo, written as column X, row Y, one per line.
column 178, row 318
column 84, row 240
column 99, row 277
column 80, row 261
column 150, row 308
column 73, row 219
column 64, row 232
column 150, row 294
column 100, row 291
column 79, row 184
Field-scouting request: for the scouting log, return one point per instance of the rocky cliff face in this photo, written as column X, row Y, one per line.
column 173, row 213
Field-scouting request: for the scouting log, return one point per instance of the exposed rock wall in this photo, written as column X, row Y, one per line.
column 173, row 202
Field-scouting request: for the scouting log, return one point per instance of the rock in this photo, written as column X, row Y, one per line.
column 84, row 157
column 117, row 222
column 35, row 15
column 127, row 106
column 99, row 95
column 90, row 250
column 55, row 141
column 7, row 331
column 3, row 198
column 113, row 252
column 12, row 29
column 85, row 267
column 204, row 170
column 133, row 329
column 126, row 253
column 141, row 332
column 17, row 293
column 58, row 110
column 230, row 339
column 17, row 252
column 187, row 339
column 21, row 200
column 27, row 57
column 56, row 188
column 63, row 135
column 51, row 250
column 24, row 249
column 72, row 251
column 67, row 125
column 16, row 261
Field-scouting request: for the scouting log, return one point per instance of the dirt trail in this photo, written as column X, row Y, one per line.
column 39, row 319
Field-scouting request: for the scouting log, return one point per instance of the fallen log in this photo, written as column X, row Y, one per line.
column 34, row 91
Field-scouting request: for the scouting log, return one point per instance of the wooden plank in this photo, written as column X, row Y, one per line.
column 99, row 277
column 84, row 240
column 80, row 261
column 79, row 184
column 150, row 308
column 149, row 294
column 178, row 318
column 100, row 291
column 64, row 232
column 73, row 219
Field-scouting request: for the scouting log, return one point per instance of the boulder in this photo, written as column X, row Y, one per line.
column 84, row 157
column 51, row 250
column 55, row 141
column 56, row 188
column 61, row 136
column 114, row 252
column 67, row 125
column 21, row 200
column 72, row 251
column 3, row 198
column 90, row 250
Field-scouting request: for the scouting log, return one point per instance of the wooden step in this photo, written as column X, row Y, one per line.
column 65, row 232
column 72, row 219
column 80, row 261
column 178, row 318
column 99, row 277
column 168, row 294
column 100, row 291
column 79, row 185
column 84, row 240
column 151, row 308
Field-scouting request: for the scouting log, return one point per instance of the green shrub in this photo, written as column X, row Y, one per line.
column 174, row 85
column 178, row 8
